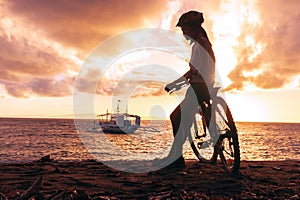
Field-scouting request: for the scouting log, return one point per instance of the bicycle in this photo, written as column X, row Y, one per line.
column 219, row 138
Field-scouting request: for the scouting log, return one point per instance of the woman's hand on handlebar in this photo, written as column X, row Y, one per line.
column 174, row 86
column 169, row 87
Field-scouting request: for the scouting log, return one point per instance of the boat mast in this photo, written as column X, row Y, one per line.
column 126, row 112
column 106, row 114
column 118, row 107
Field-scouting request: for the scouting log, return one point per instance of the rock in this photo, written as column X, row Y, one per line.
column 78, row 195
column 45, row 159
column 56, row 170
column 276, row 168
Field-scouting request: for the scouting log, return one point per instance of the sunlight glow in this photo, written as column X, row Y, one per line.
column 168, row 15
column 294, row 83
column 255, row 47
column 227, row 26
column 248, row 107
column 252, row 73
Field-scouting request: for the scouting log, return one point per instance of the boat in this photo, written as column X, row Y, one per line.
column 118, row 123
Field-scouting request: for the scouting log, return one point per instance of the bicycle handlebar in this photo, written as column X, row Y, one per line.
column 172, row 87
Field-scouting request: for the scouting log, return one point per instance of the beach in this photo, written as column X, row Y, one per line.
column 89, row 179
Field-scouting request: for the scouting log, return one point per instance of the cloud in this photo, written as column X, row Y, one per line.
column 120, row 80
column 269, row 59
column 42, row 40
column 40, row 87
column 26, row 54
column 132, row 88
column 28, row 60
column 267, row 51
column 84, row 24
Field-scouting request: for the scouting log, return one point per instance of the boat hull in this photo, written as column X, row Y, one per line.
column 119, row 130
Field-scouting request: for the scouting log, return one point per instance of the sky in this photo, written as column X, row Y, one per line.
column 47, row 45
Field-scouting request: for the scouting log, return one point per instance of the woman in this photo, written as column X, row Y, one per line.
column 201, row 78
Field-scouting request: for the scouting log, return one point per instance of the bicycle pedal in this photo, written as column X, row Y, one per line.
column 200, row 136
column 203, row 145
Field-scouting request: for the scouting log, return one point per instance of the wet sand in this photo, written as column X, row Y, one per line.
column 94, row 180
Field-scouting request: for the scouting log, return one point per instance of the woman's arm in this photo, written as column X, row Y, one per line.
column 179, row 82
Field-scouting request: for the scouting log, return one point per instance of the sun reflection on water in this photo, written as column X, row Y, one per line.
column 30, row 139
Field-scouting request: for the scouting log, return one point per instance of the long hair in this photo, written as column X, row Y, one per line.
column 200, row 29
column 203, row 33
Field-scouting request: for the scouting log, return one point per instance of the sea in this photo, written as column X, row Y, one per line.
column 25, row 140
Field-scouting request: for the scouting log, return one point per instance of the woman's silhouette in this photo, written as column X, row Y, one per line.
column 201, row 78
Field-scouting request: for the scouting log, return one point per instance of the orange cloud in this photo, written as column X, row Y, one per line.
column 44, row 40
column 133, row 82
column 84, row 24
column 40, row 87
column 277, row 62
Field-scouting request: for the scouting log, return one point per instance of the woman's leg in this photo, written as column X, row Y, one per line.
column 175, row 118
column 203, row 97
column 181, row 118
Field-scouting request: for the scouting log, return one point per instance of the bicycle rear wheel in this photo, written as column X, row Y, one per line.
column 228, row 144
column 202, row 142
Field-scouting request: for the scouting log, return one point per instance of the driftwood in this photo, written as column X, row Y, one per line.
column 2, row 196
column 34, row 189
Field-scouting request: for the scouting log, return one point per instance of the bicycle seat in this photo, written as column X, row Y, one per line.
column 213, row 91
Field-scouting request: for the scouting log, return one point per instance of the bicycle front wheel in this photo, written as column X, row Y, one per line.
column 228, row 144
column 201, row 141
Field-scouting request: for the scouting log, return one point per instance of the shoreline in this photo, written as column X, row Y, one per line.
column 90, row 179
